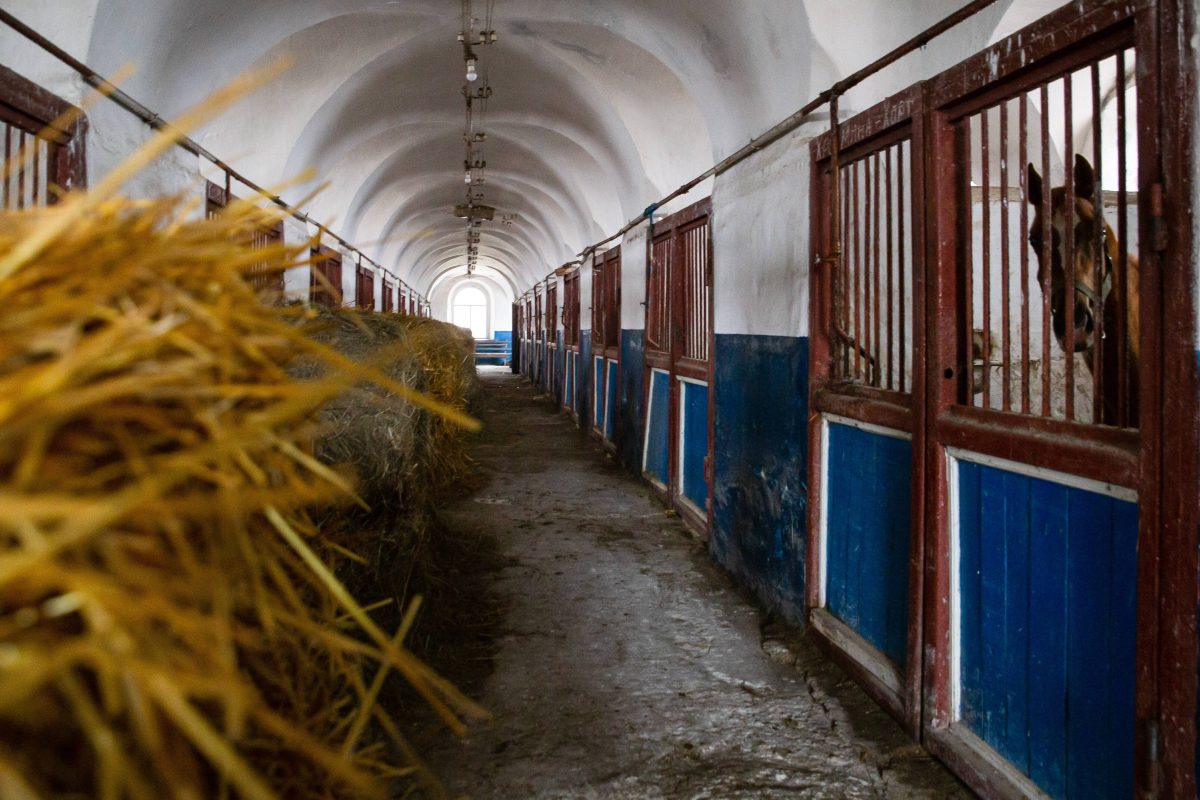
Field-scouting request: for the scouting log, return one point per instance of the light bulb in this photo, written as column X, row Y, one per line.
column 467, row 177
column 471, row 74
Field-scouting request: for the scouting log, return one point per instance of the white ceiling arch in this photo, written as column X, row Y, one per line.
column 599, row 108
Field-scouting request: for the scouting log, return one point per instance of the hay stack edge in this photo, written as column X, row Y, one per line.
column 177, row 460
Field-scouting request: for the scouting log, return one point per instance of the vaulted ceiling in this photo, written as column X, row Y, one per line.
column 599, row 108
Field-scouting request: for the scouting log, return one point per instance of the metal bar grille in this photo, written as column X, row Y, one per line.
column 327, row 265
column 266, row 276
column 611, row 302
column 571, row 310
column 872, row 339
column 1060, row 343
column 658, row 297
column 28, row 168
column 694, row 288
column 365, row 289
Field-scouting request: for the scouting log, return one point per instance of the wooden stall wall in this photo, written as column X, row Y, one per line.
column 1033, row 636
column 677, row 443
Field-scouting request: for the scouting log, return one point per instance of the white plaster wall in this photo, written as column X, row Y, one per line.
column 761, row 242
column 559, row 295
column 585, row 294
column 296, row 280
column 114, row 134
column 633, row 279
column 70, row 31
column 349, row 272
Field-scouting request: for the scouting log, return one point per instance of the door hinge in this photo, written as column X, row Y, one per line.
column 1152, row 788
column 1158, row 224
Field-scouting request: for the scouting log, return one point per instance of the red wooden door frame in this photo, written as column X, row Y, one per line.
column 606, row 331
column 1159, row 460
column 571, row 335
column 36, row 112
column 669, row 232
column 895, row 120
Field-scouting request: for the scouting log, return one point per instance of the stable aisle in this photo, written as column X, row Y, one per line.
column 627, row 664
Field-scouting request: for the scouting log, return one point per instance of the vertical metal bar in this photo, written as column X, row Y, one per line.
column 1023, row 247
column 889, row 245
column 21, row 171
column 837, row 252
column 695, row 312
column 863, row 337
column 1098, row 388
column 1068, row 245
column 876, row 349
column 34, row 188
column 985, row 210
column 966, row 242
column 1005, row 321
column 904, row 338
column 1119, row 280
column 855, row 223
column 697, row 290
column 1047, row 254
column 845, row 265
column 7, row 162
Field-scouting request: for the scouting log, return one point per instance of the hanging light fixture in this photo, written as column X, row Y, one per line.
column 471, row 73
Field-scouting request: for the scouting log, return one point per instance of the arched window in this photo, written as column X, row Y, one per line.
column 470, row 310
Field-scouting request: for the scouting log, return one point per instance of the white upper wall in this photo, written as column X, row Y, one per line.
column 599, row 109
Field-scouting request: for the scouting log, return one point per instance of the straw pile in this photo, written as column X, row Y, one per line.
column 170, row 620
column 405, row 461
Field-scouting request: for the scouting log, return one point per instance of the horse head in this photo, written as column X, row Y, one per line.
column 1089, row 291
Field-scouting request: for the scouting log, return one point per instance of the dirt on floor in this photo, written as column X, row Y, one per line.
column 618, row 660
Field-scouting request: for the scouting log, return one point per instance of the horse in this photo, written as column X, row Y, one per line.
column 1092, row 293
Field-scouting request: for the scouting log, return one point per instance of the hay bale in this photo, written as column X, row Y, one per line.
column 170, row 623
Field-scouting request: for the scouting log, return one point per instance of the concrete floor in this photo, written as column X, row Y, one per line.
column 627, row 665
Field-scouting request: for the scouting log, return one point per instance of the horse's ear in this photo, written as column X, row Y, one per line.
column 1033, row 185
column 1085, row 177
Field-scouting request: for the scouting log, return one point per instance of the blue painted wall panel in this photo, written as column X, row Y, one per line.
column 583, row 379
column 869, row 523
column 599, row 387
column 559, row 369
column 610, row 425
column 1048, row 625
column 761, row 451
column 658, row 433
column 631, row 407
column 569, row 382
column 695, row 443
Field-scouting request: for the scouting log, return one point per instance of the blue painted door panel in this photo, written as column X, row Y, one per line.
column 1047, row 627
column 610, row 422
column 694, row 401
column 569, row 383
column 658, row 432
column 867, row 535
column 598, row 391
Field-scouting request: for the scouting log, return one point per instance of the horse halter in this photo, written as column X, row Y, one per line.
column 1105, row 285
